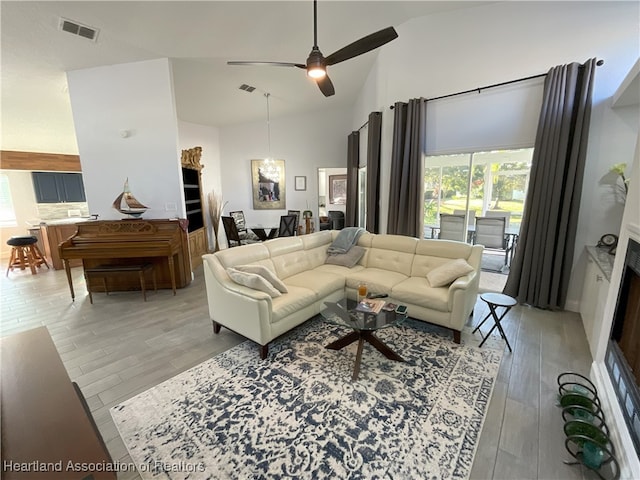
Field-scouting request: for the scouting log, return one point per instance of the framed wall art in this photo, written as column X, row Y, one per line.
column 337, row 189
column 301, row 183
column 268, row 182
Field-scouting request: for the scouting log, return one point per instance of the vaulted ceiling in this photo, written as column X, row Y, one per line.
column 199, row 37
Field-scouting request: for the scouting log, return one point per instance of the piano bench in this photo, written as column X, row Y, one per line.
column 105, row 270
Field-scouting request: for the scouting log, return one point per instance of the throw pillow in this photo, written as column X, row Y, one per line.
column 252, row 280
column 447, row 273
column 265, row 273
column 349, row 259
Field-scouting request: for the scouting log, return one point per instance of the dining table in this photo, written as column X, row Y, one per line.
column 264, row 233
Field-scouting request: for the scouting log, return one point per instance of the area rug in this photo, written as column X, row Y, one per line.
column 297, row 414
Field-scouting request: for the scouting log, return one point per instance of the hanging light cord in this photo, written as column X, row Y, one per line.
column 268, row 124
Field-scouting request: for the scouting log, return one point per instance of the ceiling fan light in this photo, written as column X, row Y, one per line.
column 316, row 72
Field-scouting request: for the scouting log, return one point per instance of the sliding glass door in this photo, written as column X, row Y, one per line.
column 473, row 184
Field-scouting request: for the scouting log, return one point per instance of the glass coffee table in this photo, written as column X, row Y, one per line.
column 364, row 326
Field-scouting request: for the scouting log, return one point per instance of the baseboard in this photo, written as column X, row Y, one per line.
column 572, row 306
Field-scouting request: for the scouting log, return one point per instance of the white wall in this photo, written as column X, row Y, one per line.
column 136, row 97
column 193, row 135
column 465, row 49
column 305, row 142
column 23, row 198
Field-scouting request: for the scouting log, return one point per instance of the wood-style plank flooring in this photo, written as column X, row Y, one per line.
column 120, row 346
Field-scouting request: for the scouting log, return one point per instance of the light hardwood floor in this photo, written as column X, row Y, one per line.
column 120, row 346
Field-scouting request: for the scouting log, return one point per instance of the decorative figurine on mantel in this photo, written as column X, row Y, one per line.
column 128, row 204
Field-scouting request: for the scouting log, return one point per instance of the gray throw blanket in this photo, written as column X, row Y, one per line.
column 346, row 239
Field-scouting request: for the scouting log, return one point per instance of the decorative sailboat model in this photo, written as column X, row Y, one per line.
column 126, row 203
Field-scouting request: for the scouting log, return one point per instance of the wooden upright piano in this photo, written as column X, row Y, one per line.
column 126, row 242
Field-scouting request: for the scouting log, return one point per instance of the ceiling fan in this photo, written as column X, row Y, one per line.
column 317, row 63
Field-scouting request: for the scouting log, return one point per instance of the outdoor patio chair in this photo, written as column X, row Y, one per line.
column 490, row 232
column 452, row 227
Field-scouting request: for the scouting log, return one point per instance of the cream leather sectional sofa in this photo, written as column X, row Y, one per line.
column 392, row 264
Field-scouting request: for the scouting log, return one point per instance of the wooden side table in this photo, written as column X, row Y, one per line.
column 495, row 300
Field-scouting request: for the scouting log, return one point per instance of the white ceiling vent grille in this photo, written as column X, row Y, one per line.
column 78, row 29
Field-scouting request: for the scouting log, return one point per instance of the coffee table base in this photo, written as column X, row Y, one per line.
column 364, row 336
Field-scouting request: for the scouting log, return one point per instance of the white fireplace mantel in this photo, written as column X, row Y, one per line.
column 625, row 451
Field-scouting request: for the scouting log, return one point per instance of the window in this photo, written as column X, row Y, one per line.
column 362, row 197
column 474, row 184
column 7, row 213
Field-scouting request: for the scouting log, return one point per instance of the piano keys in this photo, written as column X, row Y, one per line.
column 125, row 242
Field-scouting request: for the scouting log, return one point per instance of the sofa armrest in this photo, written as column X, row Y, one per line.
column 462, row 283
column 242, row 309
column 462, row 296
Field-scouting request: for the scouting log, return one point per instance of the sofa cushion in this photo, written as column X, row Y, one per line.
column 377, row 280
column 265, row 273
column 338, row 269
column 297, row 299
column 417, row 291
column 288, row 256
column 349, row 259
column 254, row 253
column 253, row 281
column 393, row 253
column 323, row 283
column 448, row 272
column 315, row 246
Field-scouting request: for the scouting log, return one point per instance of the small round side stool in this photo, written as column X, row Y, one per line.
column 495, row 300
column 25, row 253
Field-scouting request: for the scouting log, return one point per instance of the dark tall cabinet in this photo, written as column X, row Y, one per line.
column 194, row 204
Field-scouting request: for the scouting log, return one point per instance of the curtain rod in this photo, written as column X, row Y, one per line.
column 367, row 122
column 479, row 89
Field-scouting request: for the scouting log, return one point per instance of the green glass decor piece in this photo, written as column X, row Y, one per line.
column 579, row 427
column 569, row 399
column 592, row 455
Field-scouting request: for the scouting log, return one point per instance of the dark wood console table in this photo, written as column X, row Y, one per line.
column 45, row 423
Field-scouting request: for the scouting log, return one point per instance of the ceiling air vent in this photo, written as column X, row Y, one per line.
column 78, row 29
column 247, row 88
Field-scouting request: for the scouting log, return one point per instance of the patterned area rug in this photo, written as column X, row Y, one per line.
column 299, row 415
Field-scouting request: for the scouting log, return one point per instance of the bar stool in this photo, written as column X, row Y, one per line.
column 25, row 252
column 495, row 300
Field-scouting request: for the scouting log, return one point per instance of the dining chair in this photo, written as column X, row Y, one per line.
column 294, row 212
column 498, row 214
column 491, row 232
column 337, row 219
column 452, row 227
column 472, row 215
column 231, row 231
column 241, row 223
column 288, row 226
column 297, row 214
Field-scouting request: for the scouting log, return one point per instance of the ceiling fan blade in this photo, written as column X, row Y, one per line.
column 326, row 86
column 269, row 64
column 364, row 45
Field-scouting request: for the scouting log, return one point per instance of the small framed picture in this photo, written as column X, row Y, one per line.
column 301, row 183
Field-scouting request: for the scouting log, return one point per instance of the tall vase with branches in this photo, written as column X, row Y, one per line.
column 216, row 205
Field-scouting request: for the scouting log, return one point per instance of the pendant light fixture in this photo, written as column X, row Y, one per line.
column 269, row 168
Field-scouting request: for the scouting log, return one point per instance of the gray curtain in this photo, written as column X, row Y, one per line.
column 405, row 202
column 353, row 156
column 541, row 268
column 373, row 172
